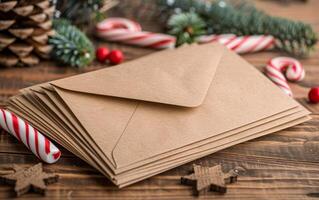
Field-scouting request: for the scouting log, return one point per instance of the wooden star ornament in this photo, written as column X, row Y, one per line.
column 209, row 179
column 31, row 178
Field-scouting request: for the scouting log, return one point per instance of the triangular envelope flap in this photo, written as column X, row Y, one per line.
column 178, row 77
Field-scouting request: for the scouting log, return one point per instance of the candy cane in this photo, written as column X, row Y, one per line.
column 241, row 44
column 291, row 67
column 32, row 138
column 130, row 32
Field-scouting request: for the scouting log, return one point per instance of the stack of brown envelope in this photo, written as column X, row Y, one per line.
column 143, row 117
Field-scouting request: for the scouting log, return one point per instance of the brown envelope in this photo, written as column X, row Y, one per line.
column 116, row 104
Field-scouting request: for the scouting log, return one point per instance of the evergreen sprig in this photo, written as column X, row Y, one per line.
column 186, row 27
column 70, row 45
column 221, row 16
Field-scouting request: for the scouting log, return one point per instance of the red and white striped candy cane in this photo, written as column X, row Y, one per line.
column 43, row 148
column 279, row 66
column 241, row 44
column 130, row 32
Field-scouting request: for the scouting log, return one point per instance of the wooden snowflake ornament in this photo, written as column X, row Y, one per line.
column 206, row 179
column 31, row 178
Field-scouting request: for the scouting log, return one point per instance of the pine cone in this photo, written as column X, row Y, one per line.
column 25, row 27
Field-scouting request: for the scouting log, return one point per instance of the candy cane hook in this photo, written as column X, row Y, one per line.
column 282, row 68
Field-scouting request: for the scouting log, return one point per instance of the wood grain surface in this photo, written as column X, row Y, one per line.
column 283, row 165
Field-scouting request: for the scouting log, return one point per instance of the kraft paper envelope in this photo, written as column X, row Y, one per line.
column 179, row 79
column 145, row 116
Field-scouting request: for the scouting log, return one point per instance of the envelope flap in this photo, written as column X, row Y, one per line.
column 178, row 77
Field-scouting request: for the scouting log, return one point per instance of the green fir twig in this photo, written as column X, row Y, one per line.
column 222, row 16
column 70, row 45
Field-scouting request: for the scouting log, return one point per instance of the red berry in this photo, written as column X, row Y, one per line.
column 313, row 95
column 116, row 57
column 102, row 54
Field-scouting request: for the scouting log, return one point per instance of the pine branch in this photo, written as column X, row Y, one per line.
column 71, row 46
column 293, row 37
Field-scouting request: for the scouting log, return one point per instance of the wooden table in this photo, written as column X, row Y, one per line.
column 283, row 165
